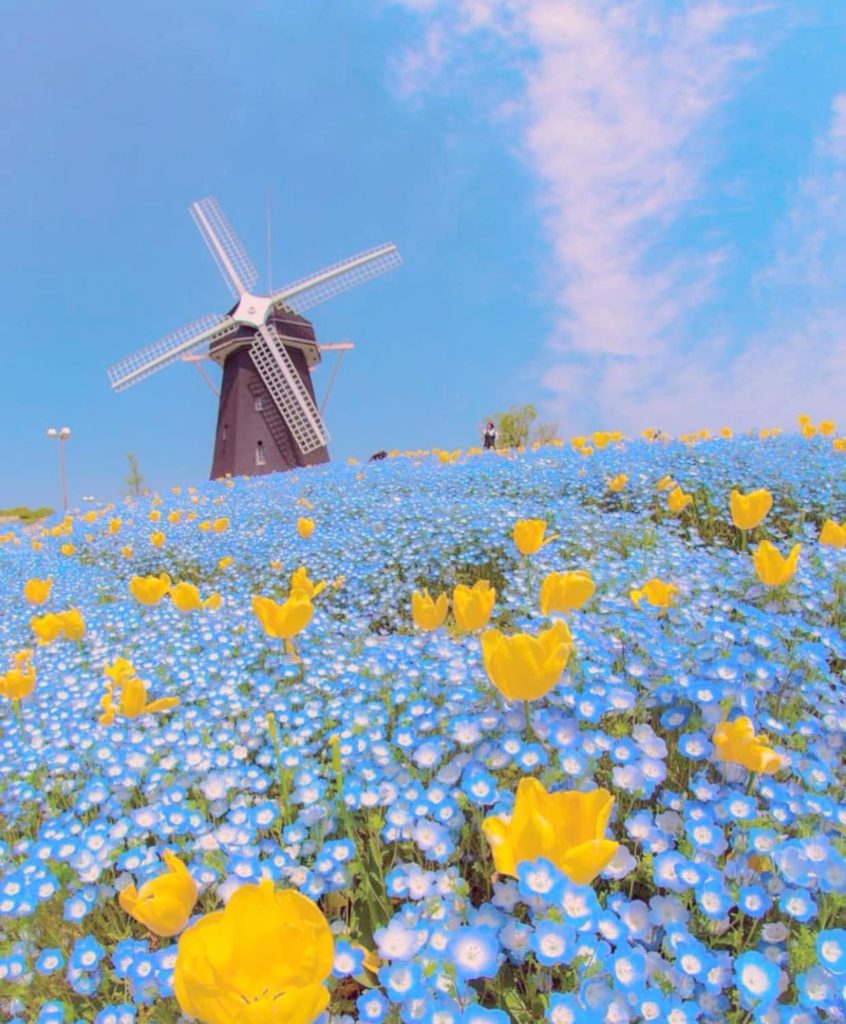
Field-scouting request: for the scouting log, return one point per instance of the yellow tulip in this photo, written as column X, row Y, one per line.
column 809, row 431
column 750, row 510
column 73, row 624
column 657, row 593
column 726, row 433
column 839, row 444
column 803, row 419
column 132, row 701
column 601, row 439
column 565, row 828
column 524, row 667
column 114, row 525
column 565, row 591
column 157, row 539
column 164, row 903
column 120, row 670
column 149, row 590
column 276, row 564
column 19, row 680
column 186, row 597
column 262, row 960
column 665, row 483
column 67, row 550
column 305, row 503
column 528, row 535
column 774, row 570
column 220, row 525
column 428, row 614
column 618, row 483
column 833, row 535
column 472, row 606
column 155, row 515
column 587, row 451
column 677, row 500
column 127, row 551
column 46, row 627
column 37, row 591
column 225, row 562
column 174, row 516
column 578, row 442
column 827, row 427
column 300, row 581
column 305, row 527
column 284, row 621
column 737, row 743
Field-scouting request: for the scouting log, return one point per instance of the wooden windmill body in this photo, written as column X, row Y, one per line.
column 268, row 418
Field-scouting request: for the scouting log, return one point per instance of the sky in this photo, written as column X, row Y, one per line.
column 629, row 213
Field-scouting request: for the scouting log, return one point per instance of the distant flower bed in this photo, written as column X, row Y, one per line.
column 452, row 738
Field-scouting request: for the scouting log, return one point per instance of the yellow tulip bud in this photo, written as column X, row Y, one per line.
column 263, row 959
column 73, row 624
column 300, row 581
column 164, row 903
column 565, row 828
column 750, row 510
column 659, row 594
column 37, row 591
column 428, row 614
column 677, row 500
column 565, row 591
column 528, row 535
column 46, row 627
column 19, row 680
column 737, row 743
column 524, row 667
column 149, row 590
column 773, row 569
column 618, row 483
column 305, row 527
column 284, row 621
column 833, row 535
column 472, row 606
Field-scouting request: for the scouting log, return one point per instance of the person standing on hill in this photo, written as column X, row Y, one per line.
column 490, row 435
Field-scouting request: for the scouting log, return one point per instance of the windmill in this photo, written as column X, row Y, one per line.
column 267, row 416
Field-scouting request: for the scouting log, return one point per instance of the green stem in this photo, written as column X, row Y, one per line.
column 530, row 733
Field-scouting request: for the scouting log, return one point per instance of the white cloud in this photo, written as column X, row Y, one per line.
column 618, row 117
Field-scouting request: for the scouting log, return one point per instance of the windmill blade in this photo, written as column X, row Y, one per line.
column 289, row 393
column 168, row 349
column 225, row 246
column 340, row 277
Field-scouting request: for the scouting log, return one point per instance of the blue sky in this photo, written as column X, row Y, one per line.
column 630, row 214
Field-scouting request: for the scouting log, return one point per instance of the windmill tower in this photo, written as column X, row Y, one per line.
column 267, row 418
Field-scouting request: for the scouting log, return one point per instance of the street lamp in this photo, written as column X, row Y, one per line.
column 61, row 436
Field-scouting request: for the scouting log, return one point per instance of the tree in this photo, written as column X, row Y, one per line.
column 513, row 427
column 545, row 432
column 133, row 479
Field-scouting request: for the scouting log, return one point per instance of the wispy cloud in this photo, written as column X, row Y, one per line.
column 618, row 115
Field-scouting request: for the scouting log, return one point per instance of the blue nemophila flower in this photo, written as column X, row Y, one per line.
column 567, row 1009
column 402, row 981
column 831, row 950
column 481, row 1015
column 754, row 900
column 798, row 904
column 552, row 942
column 52, row 1012
column 372, row 1007
column 540, row 878
column 123, row 1013
column 348, row 961
column 49, row 961
column 628, row 968
column 86, row 954
column 474, row 952
column 757, row 980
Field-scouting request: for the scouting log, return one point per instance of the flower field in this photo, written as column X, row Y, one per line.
column 454, row 738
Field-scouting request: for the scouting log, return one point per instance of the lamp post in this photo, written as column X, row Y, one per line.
column 61, row 436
